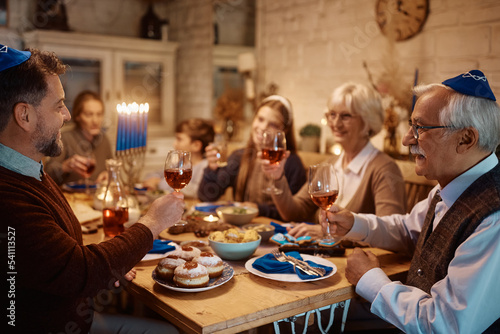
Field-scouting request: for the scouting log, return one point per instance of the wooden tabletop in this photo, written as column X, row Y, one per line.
column 247, row 301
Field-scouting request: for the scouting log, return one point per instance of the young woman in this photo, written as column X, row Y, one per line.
column 243, row 172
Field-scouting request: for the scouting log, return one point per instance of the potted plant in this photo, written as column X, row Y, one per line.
column 310, row 134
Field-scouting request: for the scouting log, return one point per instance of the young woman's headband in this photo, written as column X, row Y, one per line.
column 283, row 101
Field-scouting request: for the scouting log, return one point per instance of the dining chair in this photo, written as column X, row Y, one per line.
column 416, row 187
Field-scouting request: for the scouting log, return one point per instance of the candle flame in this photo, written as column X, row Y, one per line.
column 211, row 218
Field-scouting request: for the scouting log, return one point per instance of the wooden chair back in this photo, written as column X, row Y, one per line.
column 417, row 187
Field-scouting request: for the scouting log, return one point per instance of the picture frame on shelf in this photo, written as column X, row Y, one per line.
column 4, row 13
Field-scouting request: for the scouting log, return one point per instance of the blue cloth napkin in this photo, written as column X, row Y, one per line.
column 278, row 228
column 269, row 265
column 161, row 247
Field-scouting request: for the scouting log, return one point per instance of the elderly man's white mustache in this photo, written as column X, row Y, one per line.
column 416, row 150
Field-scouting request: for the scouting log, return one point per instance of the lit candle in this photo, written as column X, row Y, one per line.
column 129, row 128
column 211, row 218
column 141, row 126
column 119, row 127
column 134, row 125
column 145, row 130
column 123, row 130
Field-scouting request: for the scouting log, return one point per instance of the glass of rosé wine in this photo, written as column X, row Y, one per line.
column 178, row 171
column 273, row 149
column 90, row 164
column 324, row 190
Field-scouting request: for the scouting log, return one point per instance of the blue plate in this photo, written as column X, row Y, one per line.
column 210, row 207
column 79, row 186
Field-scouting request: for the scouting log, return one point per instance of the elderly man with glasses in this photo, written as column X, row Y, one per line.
column 453, row 235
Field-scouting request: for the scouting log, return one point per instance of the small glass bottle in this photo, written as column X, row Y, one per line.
column 114, row 204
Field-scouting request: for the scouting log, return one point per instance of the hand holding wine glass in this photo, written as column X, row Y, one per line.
column 324, row 190
column 273, row 149
column 178, row 170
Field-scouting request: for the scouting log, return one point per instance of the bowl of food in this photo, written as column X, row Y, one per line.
column 234, row 245
column 266, row 231
column 237, row 215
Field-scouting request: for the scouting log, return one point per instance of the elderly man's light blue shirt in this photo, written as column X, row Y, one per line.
column 18, row 163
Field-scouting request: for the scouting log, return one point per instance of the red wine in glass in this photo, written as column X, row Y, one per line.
column 273, row 155
column 273, row 148
column 178, row 178
column 324, row 200
column 90, row 167
column 113, row 220
column 324, row 190
column 178, row 171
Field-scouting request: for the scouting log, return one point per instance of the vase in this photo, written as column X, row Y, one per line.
column 310, row 144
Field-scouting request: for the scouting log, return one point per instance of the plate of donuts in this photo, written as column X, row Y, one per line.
column 215, row 282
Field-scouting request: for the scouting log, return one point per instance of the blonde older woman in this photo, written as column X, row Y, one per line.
column 370, row 180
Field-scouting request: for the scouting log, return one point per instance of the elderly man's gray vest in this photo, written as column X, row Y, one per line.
column 435, row 249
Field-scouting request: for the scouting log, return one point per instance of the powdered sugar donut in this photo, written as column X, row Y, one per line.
column 166, row 267
column 187, row 252
column 191, row 275
column 212, row 262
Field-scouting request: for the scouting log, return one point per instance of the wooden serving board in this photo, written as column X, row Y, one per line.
column 190, row 235
column 181, row 237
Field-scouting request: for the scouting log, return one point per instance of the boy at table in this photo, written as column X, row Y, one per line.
column 454, row 234
column 192, row 135
column 53, row 276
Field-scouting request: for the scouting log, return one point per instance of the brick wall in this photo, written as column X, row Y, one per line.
column 309, row 47
column 191, row 25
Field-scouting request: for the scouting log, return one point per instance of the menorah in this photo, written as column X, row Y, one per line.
column 131, row 140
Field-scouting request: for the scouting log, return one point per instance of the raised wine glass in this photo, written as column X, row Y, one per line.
column 324, row 190
column 273, row 149
column 178, row 171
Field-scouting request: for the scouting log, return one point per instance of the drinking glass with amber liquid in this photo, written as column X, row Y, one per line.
column 90, row 163
column 324, row 190
column 178, row 170
column 273, row 149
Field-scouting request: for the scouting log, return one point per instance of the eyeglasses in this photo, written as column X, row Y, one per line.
column 415, row 128
column 332, row 115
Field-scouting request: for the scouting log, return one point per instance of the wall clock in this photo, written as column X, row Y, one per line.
column 401, row 19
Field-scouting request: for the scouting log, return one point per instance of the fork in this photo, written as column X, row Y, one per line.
column 319, row 271
column 283, row 258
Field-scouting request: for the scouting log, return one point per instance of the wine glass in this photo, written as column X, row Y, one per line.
column 178, row 171
column 90, row 164
column 220, row 145
column 273, row 149
column 324, row 190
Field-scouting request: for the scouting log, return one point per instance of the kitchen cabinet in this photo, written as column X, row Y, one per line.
column 121, row 69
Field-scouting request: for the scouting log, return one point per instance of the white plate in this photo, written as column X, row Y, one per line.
column 292, row 277
column 155, row 256
column 227, row 274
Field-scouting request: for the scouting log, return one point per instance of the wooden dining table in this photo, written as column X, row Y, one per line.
column 246, row 301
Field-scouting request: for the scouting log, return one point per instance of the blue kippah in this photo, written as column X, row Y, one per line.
column 11, row 57
column 473, row 83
